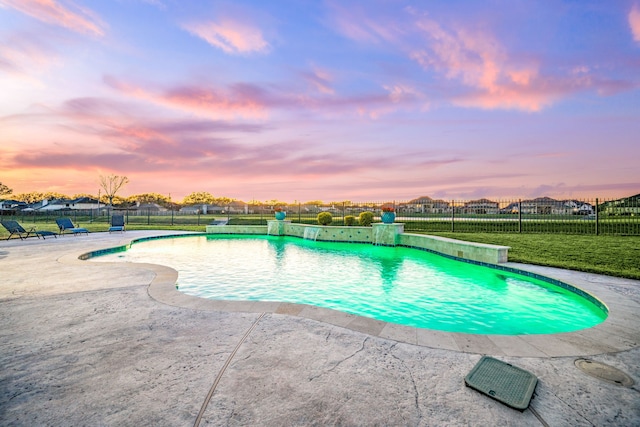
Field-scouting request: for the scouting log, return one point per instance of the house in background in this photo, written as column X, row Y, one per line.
column 238, row 206
column 147, row 208
column 82, row 203
column 539, row 205
column 201, row 208
column 627, row 206
column 511, row 208
column 10, row 207
column 577, row 207
column 549, row 206
column 426, row 204
column 481, row 207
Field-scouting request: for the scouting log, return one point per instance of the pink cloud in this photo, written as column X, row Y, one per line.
column 245, row 101
column 231, row 36
column 634, row 22
column 250, row 101
column 129, row 129
column 480, row 62
column 355, row 23
column 108, row 135
column 23, row 54
column 494, row 79
column 474, row 58
column 321, row 80
column 242, row 100
column 82, row 125
column 140, row 151
column 506, row 97
column 54, row 12
column 482, row 71
column 400, row 92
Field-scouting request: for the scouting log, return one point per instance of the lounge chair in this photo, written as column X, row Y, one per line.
column 13, row 227
column 117, row 223
column 65, row 225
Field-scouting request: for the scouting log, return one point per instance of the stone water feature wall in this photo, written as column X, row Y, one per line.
column 377, row 234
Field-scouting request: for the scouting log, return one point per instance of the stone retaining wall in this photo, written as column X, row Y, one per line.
column 381, row 234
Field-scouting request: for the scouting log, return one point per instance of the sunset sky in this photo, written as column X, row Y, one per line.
column 331, row 100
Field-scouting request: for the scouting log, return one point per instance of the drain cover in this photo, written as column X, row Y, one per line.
column 503, row 382
column 604, row 372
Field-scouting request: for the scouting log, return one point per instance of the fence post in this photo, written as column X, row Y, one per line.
column 299, row 213
column 519, row 215
column 148, row 216
column 344, row 210
column 453, row 215
column 597, row 217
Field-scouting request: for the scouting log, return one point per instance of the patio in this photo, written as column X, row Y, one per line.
column 86, row 344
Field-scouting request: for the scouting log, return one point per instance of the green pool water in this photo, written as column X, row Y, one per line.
column 399, row 285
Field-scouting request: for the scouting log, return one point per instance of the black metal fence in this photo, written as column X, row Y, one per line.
column 543, row 215
column 596, row 216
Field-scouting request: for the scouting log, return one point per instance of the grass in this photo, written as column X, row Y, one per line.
column 607, row 226
column 610, row 255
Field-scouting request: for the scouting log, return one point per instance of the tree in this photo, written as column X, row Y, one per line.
column 87, row 195
column 119, row 201
column 111, row 184
column 223, row 201
column 37, row 196
column 4, row 190
column 275, row 202
column 199, row 198
column 29, row 197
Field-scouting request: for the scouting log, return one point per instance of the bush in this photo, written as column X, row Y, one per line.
column 349, row 220
column 324, row 218
column 365, row 219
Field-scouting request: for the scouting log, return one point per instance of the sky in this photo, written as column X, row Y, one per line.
column 301, row 100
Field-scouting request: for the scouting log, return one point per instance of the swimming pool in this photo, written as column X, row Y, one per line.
column 394, row 284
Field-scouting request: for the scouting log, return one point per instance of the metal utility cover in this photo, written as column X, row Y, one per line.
column 503, row 382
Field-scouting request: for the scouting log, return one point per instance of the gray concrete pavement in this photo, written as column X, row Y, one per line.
column 87, row 343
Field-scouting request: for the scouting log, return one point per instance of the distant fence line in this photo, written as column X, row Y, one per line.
column 591, row 216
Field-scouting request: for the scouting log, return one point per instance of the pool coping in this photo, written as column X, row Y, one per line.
column 619, row 332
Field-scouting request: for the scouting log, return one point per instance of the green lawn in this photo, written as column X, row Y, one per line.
column 610, row 255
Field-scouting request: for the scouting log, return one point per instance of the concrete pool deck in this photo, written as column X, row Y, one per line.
column 91, row 343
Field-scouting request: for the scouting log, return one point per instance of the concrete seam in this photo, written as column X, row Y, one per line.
column 538, row 416
column 222, row 371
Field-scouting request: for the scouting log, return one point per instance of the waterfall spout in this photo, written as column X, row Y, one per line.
column 376, row 235
column 272, row 228
column 311, row 233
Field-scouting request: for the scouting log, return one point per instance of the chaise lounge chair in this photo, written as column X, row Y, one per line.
column 65, row 224
column 117, row 223
column 13, row 227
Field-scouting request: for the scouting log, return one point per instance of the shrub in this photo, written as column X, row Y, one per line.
column 365, row 219
column 324, row 218
column 349, row 220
